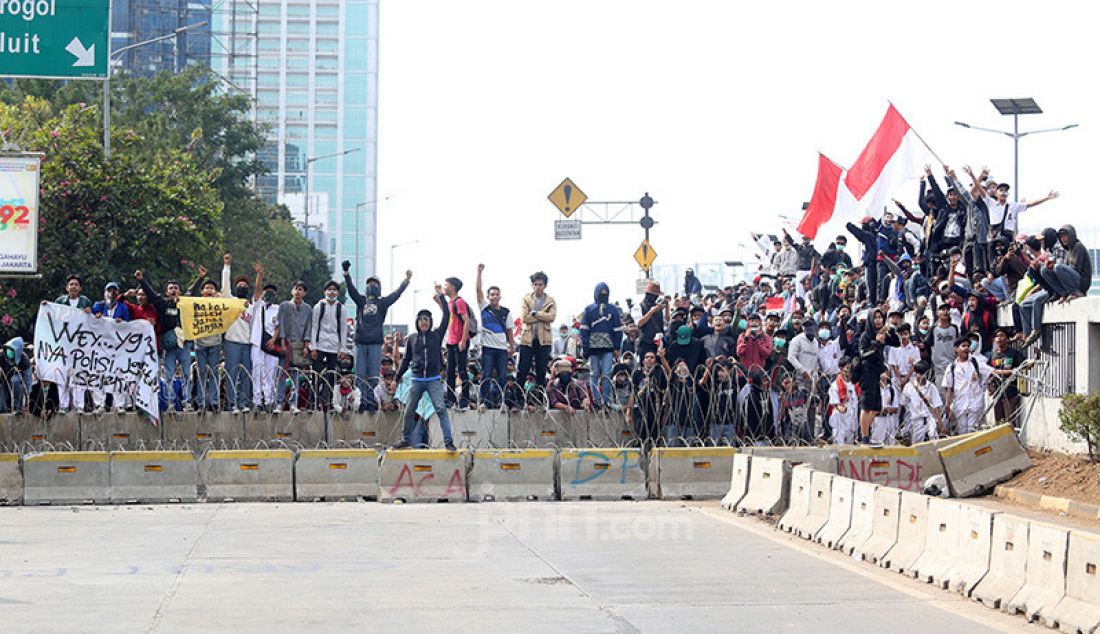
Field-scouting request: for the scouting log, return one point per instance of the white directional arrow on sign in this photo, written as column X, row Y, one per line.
column 84, row 56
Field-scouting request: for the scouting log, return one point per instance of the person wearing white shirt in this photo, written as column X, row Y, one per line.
column 845, row 405
column 238, row 340
column 326, row 341
column 964, row 385
column 901, row 359
column 264, row 316
column 923, row 406
column 1004, row 216
column 803, row 352
column 884, row 431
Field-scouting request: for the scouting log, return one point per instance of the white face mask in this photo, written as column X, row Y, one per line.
column 331, row 295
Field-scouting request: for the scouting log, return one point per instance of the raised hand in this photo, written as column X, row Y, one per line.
column 227, row 259
column 346, row 265
column 408, row 275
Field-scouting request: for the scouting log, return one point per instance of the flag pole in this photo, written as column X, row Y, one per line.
column 925, row 143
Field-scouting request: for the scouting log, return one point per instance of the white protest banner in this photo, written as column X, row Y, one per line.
column 76, row 350
column 19, row 214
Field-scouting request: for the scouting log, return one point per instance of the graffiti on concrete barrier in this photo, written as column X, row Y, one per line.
column 602, row 465
column 892, row 472
column 408, row 482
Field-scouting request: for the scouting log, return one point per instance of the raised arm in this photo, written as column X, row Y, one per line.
column 257, row 293
column 480, row 293
column 1051, row 196
column 441, row 330
column 396, row 294
column 353, row 293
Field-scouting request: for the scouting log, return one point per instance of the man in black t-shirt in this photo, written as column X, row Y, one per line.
column 1006, row 362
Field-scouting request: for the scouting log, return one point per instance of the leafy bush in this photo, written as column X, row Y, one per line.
column 1080, row 416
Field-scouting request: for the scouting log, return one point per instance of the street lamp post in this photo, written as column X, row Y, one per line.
column 107, row 81
column 1016, row 107
column 310, row 161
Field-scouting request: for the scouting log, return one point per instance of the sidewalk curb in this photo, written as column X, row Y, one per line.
column 1049, row 503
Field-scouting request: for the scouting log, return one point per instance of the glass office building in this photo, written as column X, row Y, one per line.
column 134, row 21
column 314, row 64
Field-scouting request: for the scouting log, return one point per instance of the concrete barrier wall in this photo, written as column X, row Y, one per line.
column 941, row 540
column 769, row 487
column 840, row 513
column 863, row 519
column 336, row 474
column 1079, row 610
column 972, row 553
column 11, row 479
column 798, row 506
column 693, row 473
column 897, row 467
column 1045, row 575
column 67, row 477
column 153, row 476
column 912, row 532
column 423, row 475
column 602, row 474
column 821, row 486
column 739, row 481
column 1007, row 562
column 264, row 475
column 514, row 475
column 975, row 464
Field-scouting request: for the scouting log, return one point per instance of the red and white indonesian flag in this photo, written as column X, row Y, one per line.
column 894, row 158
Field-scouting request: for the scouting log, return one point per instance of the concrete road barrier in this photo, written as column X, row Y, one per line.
column 941, row 540
column 304, row 429
column 602, row 474
column 11, row 479
column 971, row 560
column 130, row 431
column 63, row 430
column 423, row 475
column 336, row 474
column 840, row 513
column 512, row 475
column 769, row 487
column 153, row 477
column 477, row 430
column 821, row 486
column 610, row 430
column 20, row 432
column 820, row 458
column 261, row 475
column 884, row 529
column 194, row 431
column 66, row 477
column 928, row 454
column 1007, row 562
column 548, row 430
column 693, row 473
column 1045, row 576
column 863, row 518
column 798, row 506
column 898, row 467
column 739, row 481
column 912, row 532
column 1079, row 610
column 977, row 463
column 369, row 429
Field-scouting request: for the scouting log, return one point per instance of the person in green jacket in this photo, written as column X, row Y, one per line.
column 72, row 296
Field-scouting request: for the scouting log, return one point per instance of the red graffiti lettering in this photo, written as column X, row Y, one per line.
column 412, row 484
column 909, row 476
column 455, row 485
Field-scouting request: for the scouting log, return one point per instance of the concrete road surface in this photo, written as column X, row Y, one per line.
column 507, row 567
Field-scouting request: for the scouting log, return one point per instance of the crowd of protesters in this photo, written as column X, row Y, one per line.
column 901, row 344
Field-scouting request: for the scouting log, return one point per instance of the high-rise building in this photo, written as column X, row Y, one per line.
column 316, row 87
column 134, row 21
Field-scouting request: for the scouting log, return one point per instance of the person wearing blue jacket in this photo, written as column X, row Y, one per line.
column 601, row 335
column 424, row 358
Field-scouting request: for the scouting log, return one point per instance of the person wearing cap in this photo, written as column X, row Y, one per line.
column 238, row 338
column 295, row 324
column 328, row 333
column 692, row 285
column 655, row 311
column 564, row 392
column 1004, row 215
column 804, row 353
column 601, row 335
column 537, row 313
column 620, row 389
column 923, row 406
column 112, row 308
column 370, row 317
column 424, row 359
column 753, row 346
column 264, row 317
column 1006, row 363
column 685, row 347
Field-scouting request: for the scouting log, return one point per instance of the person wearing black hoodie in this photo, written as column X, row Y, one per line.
column 424, row 357
column 867, row 233
column 872, row 358
column 370, row 311
column 1073, row 278
column 601, row 335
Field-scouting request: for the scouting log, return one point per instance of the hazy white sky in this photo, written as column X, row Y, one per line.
column 717, row 108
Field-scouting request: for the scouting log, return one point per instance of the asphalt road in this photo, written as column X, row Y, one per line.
column 515, row 567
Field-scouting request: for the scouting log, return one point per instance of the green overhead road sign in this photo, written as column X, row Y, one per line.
column 55, row 39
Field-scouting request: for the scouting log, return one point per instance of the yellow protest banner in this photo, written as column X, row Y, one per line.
column 207, row 316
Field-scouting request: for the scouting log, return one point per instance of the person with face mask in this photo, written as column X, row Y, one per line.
column 566, row 393
column 601, row 336
column 923, row 406
column 754, row 347
column 177, row 351
column 111, row 307
column 884, row 431
column 326, row 351
column 964, row 383
column 804, row 353
column 238, row 339
column 620, row 389
column 759, row 409
column 208, row 349
column 683, row 411
column 424, row 359
column 15, row 376
column 370, row 315
column 264, row 317
column 844, row 405
column 560, row 348
column 655, row 312
column 721, row 413
column 648, row 402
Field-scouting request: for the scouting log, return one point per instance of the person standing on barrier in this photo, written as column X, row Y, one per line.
column 177, row 352
column 497, row 344
column 654, row 312
column 370, row 315
column 646, row 410
column 295, row 324
column 964, row 382
column 266, row 351
column 885, row 428
column 424, row 358
column 923, row 407
column 463, row 326
column 537, row 314
column 1006, row 362
column 208, row 350
column 111, row 307
column 15, row 368
column 238, row 340
column 601, row 335
column 328, row 333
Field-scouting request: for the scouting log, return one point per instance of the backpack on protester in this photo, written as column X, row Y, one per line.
column 470, row 320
